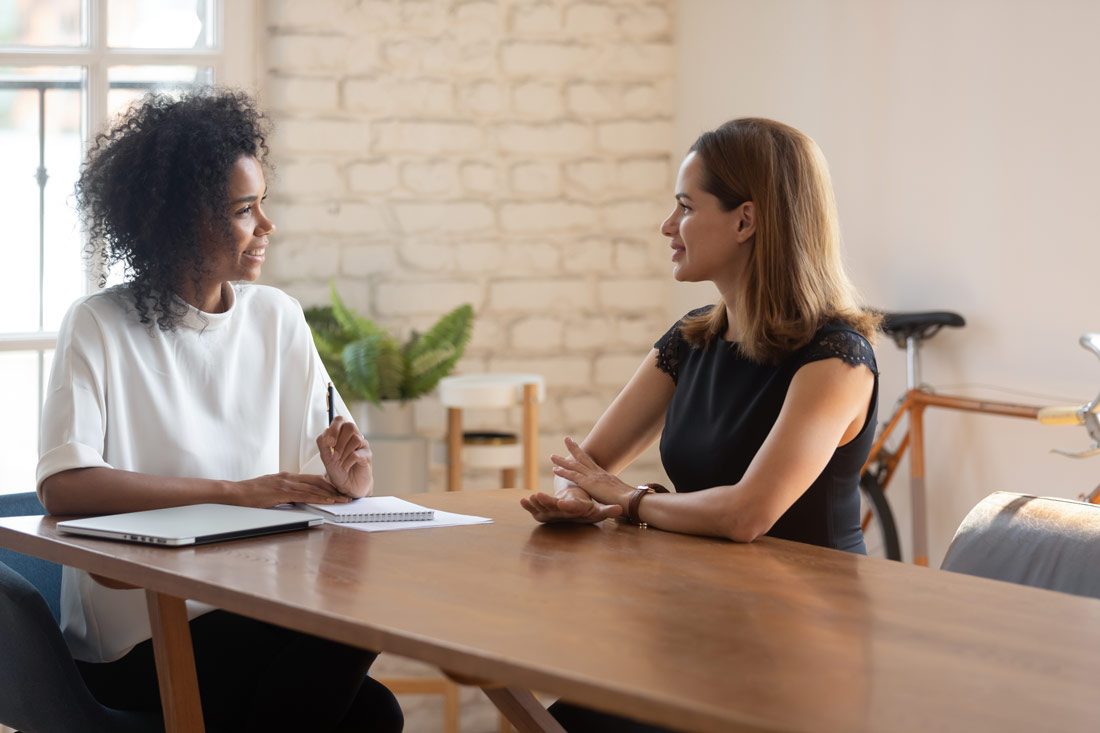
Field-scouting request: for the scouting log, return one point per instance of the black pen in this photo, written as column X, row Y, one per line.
column 331, row 407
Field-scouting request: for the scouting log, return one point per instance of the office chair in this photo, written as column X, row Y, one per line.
column 41, row 690
column 1038, row 541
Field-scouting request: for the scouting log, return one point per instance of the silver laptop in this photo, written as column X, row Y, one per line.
column 191, row 525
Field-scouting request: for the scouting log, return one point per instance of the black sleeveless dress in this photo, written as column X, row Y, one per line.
column 724, row 407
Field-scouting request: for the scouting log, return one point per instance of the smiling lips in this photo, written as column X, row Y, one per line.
column 677, row 249
column 257, row 253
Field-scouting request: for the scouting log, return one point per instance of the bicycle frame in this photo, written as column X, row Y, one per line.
column 913, row 405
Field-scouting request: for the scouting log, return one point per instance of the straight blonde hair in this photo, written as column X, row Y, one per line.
column 794, row 281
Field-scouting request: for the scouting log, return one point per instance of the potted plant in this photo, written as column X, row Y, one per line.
column 378, row 377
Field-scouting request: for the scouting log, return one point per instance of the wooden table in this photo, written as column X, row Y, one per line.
column 690, row 632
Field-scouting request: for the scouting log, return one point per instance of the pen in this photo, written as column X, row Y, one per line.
column 330, row 406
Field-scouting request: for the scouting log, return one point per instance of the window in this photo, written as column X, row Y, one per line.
column 66, row 68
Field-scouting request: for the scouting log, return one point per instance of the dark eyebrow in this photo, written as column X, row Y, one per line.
column 682, row 196
column 246, row 199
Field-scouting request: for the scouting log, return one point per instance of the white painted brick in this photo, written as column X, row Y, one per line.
column 591, row 19
column 582, row 410
column 559, row 371
column 617, row 369
column 372, row 176
column 321, row 136
column 644, row 99
column 487, row 337
column 647, row 21
column 635, row 257
column 547, row 216
column 479, row 177
column 430, row 256
column 636, row 136
column 430, row 177
column 335, row 217
column 288, row 259
column 592, row 100
column 539, row 295
column 482, row 97
column 450, row 216
column 538, row 333
column 644, row 60
column 559, row 137
column 479, row 256
column 305, row 54
column 296, row 15
column 362, row 260
column 481, row 19
column 423, row 16
column 523, row 255
column 535, row 18
column 402, row 54
column 543, row 58
column 308, row 179
column 427, row 137
column 640, row 331
column 301, row 93
column 465, row 57
column 649, row 175
column 536, row 178
column 633, row 295
column 589, row 333
column 424, row 96
column 539, row 99
column 634, row 215
column 402, row 298
column 592, row 175
column 590, row 254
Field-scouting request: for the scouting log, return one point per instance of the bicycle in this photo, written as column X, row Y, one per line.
column 909, row 331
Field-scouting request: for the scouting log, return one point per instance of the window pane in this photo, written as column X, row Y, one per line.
column 129, row 83
column 40, row 23
column 40, row 216
column 19, row 387
column 160, row 24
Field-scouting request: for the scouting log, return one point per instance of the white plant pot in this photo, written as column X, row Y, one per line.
column 400, row 454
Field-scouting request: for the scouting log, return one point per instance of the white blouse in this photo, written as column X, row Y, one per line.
column 227, row 396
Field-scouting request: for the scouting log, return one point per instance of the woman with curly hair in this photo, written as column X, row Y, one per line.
column 190, row 384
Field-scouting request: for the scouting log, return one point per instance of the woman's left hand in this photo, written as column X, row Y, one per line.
column 581, row 469
column 347, row 458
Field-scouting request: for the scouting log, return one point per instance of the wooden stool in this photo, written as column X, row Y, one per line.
column 492, row 449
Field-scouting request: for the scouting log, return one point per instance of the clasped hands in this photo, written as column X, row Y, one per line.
column 594, row 494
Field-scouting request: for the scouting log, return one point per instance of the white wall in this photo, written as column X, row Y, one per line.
column 962, row 139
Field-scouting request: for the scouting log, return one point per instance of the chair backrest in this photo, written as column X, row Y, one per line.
column 1038, row 541
column 40, row 686
column 43, row 575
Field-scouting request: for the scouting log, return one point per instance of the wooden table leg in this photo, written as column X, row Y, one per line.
column 179, row 685
column 523, row 709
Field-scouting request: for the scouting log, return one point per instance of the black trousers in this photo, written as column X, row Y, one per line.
column 577, row 719
column 255, row 676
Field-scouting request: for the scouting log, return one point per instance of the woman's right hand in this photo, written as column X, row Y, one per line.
column 570, row 504
column 285, row 488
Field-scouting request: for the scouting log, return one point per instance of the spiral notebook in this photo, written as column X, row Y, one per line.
column 372, row 509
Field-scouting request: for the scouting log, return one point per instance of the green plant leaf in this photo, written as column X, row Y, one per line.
column 374, row 367
column 433, row 355
column 354, row 325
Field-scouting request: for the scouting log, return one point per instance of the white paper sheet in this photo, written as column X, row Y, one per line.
column 442, row 519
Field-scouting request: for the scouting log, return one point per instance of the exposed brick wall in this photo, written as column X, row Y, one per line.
column 508, row 153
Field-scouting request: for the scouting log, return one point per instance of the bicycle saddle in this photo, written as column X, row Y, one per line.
column 923, row 325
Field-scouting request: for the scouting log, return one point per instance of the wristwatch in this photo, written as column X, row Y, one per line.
column 636, row 499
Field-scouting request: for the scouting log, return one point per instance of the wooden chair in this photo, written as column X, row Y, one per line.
column 494, row 450
column 1038, row 541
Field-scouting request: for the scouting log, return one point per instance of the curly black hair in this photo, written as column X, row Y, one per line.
column 154, row 188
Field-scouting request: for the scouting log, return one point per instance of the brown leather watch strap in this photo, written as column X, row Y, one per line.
column 636, row 499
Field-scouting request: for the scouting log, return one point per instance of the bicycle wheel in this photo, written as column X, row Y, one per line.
column 880, row 532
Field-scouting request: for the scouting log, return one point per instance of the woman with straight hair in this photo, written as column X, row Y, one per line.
column 765, row 402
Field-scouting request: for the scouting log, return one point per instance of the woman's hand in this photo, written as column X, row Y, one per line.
column 571, row 504
column 286, row 488
column 582, row 470
column 347, row 458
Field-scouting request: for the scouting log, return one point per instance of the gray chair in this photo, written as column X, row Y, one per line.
column 41, row 690
column 1038, row 541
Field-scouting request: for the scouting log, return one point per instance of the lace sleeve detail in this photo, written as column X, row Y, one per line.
column 846, row 345
column 668, row 352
